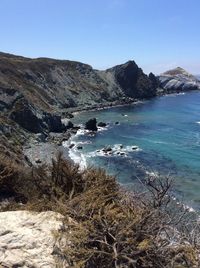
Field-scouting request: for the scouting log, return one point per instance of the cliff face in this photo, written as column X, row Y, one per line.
column 178, row 80
column 133, row 82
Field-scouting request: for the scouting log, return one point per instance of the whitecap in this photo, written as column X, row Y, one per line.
column 78, row 158
column 116, row 150
column 102, row 128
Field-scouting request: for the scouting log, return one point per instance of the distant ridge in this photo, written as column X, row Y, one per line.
column 177, row 71
column 178, row 80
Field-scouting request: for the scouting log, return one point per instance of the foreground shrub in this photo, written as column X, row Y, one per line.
column 106, row 226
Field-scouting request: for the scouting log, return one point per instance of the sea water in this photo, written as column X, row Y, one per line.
column 160, row 136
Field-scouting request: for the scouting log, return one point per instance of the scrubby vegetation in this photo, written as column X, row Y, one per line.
column 105, row 225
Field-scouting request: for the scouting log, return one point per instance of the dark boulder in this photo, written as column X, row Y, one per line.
column 67, row 115
column 91, row 124
column 38, row 161
column 53, row 122
column 79, row 147
column 107, row 149
column 69, row 124
column 71, row 145
column 101, row 124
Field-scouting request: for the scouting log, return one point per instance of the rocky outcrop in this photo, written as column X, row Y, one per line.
column 34, row 120
column 178, row 80
column 27, row 239
column 91, row 124
column 133, row 82
column 101, row 124
column 154, row 80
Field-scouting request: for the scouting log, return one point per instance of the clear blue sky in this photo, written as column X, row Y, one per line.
column 157, row 34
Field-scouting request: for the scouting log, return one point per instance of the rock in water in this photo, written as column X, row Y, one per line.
column 91, row 124
column 27, row 240
column 101, row 124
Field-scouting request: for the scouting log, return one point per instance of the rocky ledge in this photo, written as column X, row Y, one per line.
column 27, row 239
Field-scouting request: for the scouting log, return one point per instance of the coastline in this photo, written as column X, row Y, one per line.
column 59, row 138
column 66, row 138
column 126, row 102
column 100, row 107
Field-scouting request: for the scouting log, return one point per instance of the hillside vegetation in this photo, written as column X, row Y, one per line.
column 108, row 227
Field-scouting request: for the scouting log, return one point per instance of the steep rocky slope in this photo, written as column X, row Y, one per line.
column 53, row 85
column 35, row 93
column 177, row 80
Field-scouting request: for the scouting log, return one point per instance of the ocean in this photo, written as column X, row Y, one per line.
column 158, row 137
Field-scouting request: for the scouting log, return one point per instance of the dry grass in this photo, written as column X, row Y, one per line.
column 109, row 227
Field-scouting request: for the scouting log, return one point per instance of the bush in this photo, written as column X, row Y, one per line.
column 106, row 226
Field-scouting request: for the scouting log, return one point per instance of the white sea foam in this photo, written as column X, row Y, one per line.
column 175, row 94
column 188, row 208
column 81, row 132
column 75, row 154
column 78, row 158
column 181, row 93
column 185, row 207
column 198, row 122
column 102, row 128
column 116, row 150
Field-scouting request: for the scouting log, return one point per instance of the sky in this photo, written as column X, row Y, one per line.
column 157, row 34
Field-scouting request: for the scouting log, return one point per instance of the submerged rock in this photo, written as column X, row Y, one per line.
column 71, row 145
column 107, row 149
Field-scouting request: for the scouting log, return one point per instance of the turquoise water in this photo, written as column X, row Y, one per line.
column 167, row 133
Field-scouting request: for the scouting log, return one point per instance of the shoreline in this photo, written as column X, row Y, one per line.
column 73, row 133
column 61, row 137
column 110, row 105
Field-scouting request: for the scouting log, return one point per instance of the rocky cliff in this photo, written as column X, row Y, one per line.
column 54, row 85
column 35, row 93
column 178, row 80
